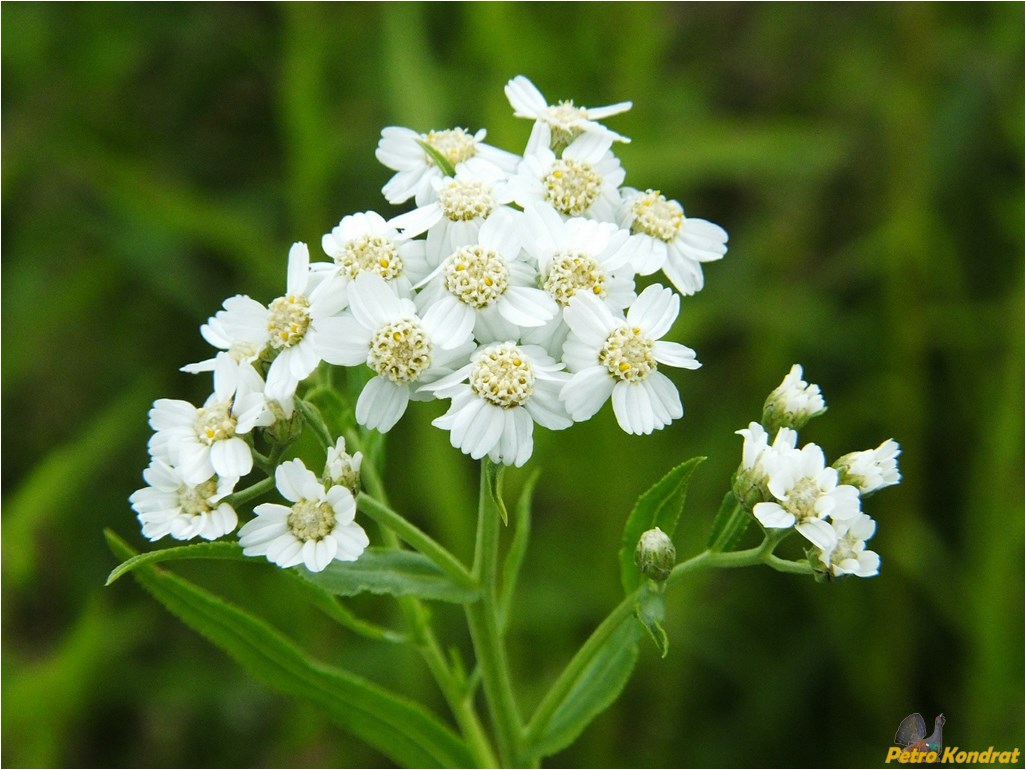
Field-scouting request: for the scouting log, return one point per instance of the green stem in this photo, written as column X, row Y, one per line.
column 482, row 618
column 417, row 538
column 315, row 421
column 243, row 496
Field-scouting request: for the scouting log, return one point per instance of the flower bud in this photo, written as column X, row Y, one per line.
column 287, row 425
column 872, row 469
column 793, row 403
column 655, row 554
column 341, row 468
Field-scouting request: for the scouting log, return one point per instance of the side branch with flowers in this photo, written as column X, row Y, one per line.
column 513, row 289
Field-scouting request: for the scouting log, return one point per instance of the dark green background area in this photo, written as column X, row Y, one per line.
column 867, row 162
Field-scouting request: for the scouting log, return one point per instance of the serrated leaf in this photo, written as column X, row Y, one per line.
column 659, row 507
column 729, row 525
column 396, row 726
column 221, row 549
column 390, row 571
column 596, row 686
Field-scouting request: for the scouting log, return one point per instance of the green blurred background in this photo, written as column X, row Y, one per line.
column 867, row 162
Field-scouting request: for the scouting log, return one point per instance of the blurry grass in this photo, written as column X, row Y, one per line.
column 867, row 162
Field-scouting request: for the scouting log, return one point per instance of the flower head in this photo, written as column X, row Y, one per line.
column 615, row 357
column 341, row 468
column 365, row 242
column 565, row 120
column 872, row 469
column 848, row 555
column 806, row 494
column 792, row 403
column 317, row 528
column 664, row 239
column 758, row 460
column 170, row 505
column 497, row 398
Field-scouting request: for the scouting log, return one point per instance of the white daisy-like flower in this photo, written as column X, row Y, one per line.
column 793, row 402
column 849, row 556
column 487, row 287
column 404, row 350
column 460, row 206
column 611, row 356
column 207, row 441
column 583, row 182
column 401, row 150
column 170, row 505
column 566, row 120
column 239, row 329
column 575, row 255
column 497, row 398
column 341, row 468
column 303, row 326
column 807, row 494
column 872, row 469
column 317, row 528
column 365, row 242
column 664, row 239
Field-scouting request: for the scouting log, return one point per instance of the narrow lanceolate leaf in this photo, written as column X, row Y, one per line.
column 651, row 609
column 221, row 549
column 591, row 690
column 443, row 162
column 399, row 728
column 729, row 526
column 659, row 507
column 390, row 571
column 493, row 478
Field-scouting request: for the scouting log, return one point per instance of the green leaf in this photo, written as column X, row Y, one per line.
column 517, row 548
column 659, row 507
column 493, row 478
column 594, row 687
column 221, row 549
column 390, row 571
column 651, row 610
column 437, row 157
column 400, row 728
column 729, row 526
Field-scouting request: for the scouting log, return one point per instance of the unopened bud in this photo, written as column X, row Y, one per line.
column 793, row 403
column 287, row 425
column 655, row 554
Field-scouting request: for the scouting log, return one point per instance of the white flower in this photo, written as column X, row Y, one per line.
column 341, row 468
column 302, row 324
column 564, row 119
column 793, row 402
column 239, row 328
column 404, row 350
column 759, row 458
column 807, row 493
column 207, row 441
column 497, row 398
column 583, row 182
column 460, row 206
column 575, row 255
column 400, row 149
column 170, row 505
column 872, row 469
column 613, row 357
column 317, row 528
column 664, row 239
column 365, row 242
column 487, row 287
column 849, row 556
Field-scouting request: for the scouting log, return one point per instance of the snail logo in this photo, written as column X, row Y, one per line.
column 916, row 747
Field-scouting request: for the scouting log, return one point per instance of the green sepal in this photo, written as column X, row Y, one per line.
column 390, row 571
column 442, row 162
column 400, row 728
column 651, row 610
column 659, row 507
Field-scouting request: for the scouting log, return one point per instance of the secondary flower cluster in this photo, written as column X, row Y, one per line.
column 508, row 288
column 785, row 487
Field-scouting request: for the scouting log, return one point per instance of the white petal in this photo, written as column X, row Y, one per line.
column 291, row 477
column 450, row 318
column 773, row 516
column 675, row 354
column 381, row 404
column 818, row 532
column 589, row 319
column 372, row 301
column 342, row 341
column 299, row 269
column 586, row 392
column 524, row 306
column 654, row 310
column 231, row 457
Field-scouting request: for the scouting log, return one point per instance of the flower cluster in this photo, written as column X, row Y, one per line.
column 786, row 487
column 507, row 286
